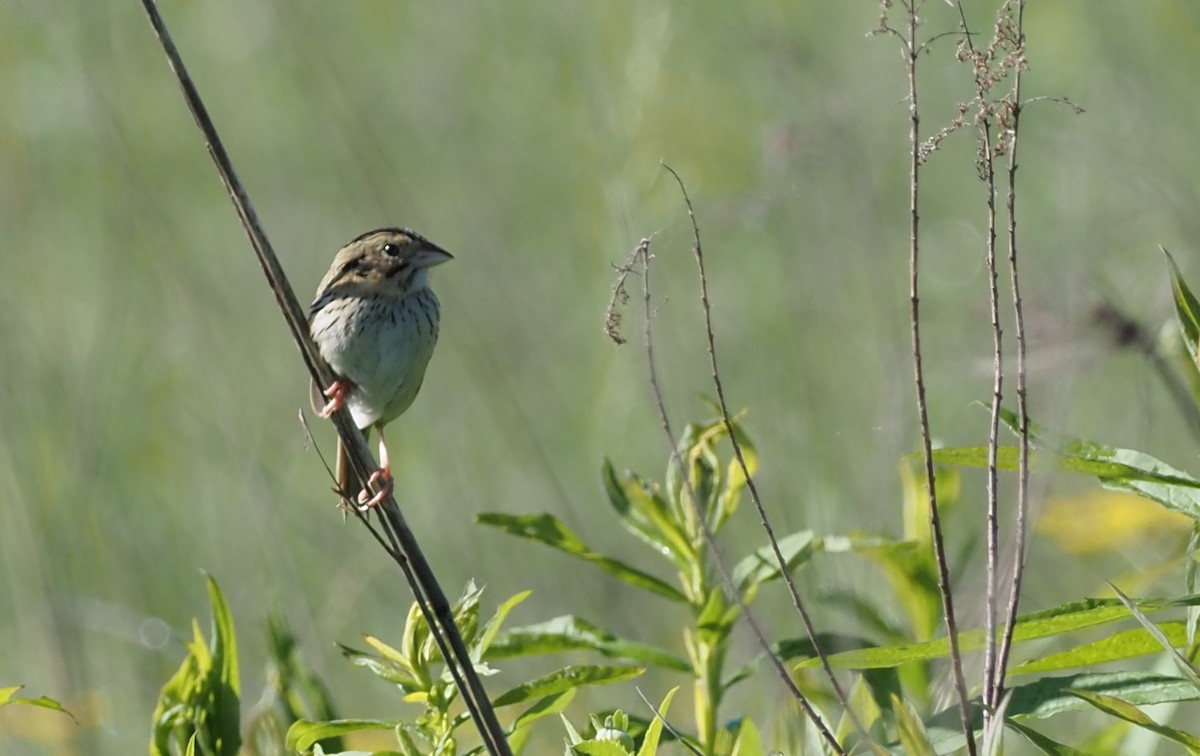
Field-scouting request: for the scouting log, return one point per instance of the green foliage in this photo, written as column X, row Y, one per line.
column 9, row 697
column 293, row 692
column 672, row 524
column 197, row 709
column 416, row 668
column 611, row 735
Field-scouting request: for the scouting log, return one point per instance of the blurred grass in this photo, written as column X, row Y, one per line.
column 148, row 390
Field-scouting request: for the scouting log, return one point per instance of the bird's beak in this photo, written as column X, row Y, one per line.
column 431, row 255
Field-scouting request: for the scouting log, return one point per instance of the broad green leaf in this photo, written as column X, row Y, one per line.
column 647, row 515
column 1124, row 644
column 1116, row 469
column 762, row 566
column 569, row 633
column 548, row 530
column 303, row 735
column 1130, row 713
column 1051, row 696
column 1187, row 310
column 1054, row 621
column 566, row 679
column 910, row 729
column 1183, row 665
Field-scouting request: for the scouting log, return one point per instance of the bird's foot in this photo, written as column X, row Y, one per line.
column 337, row 393
column 366, row 501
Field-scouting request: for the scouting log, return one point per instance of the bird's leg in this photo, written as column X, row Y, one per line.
column 337, row 393
column 382, row 476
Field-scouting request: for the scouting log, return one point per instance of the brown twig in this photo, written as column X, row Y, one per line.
column 981, row 64
column 1016, row 31
column 398, row 540
column 642, row 254
column 763, row 520
column 911, row 54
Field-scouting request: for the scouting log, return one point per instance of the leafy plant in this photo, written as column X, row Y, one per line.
column 197, row 711
column 417, row 670
column 663, row 518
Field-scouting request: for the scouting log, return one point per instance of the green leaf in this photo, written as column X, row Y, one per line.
column 548, row 530
column 1124, row 644
column 647, row 515
column 8, row 696
column 1041, row 742
column 735, row 478
column 201, row 700
column 566, row 679
column 1130, row 713
column 762, row 567
column 654, row 731
column 382, row 668
column 1052, row 696
column 544, row 707
column 481, row 645
column 226, row 689
column 1187, row 310
column 303, row 735
column 570, row 633
column 1117, row 469
column 1055, row 621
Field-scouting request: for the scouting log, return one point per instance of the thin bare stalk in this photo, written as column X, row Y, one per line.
column 987, row 172
column 400, row 542
column 912, row 52
column 1022, row 526
column 780, row 560
column 643, row 253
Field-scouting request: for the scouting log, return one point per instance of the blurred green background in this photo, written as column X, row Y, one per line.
column 149, row 390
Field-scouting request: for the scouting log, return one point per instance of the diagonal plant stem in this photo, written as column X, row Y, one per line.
column 763, row 520
column 912, row 52
column 1022, row 525
column 400, row 543
column 642, row 254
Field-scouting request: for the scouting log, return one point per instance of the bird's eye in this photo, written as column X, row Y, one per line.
column 392, row 250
